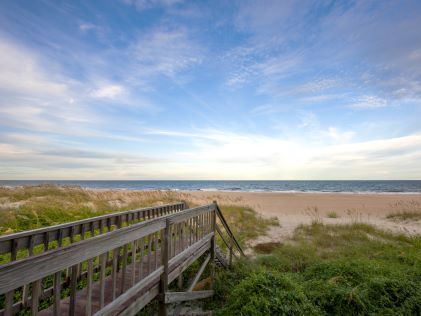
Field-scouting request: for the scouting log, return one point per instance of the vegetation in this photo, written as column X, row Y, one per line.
column 327, row 270
column 405, row 211
column 323, row 270
column 332, row 214
column 245, row 223
column 31, row 207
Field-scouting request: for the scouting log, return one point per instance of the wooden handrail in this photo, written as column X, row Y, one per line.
column 133, row 264
column 43, row 236
column 224, row 223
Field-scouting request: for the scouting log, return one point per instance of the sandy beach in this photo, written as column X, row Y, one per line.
column 293, row 209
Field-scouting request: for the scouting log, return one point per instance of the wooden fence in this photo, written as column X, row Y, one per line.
column 114, row 271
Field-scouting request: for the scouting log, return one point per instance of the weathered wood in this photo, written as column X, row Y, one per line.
column 213, row 246
column 37, row 235
column 14, row 251
column 150, row 279
column 114, row 272
column 36, row 289
column 163, row 283
column 142, row 254
column 124, row 267
column 56, row 293
column 102, row 280
column 149, row 254
column 179, row 235
column 134, row 247
column 156, row 250
column 89, row 288
column 192, row 212
column 8, row 304
column 141, row 302
column 199, row 273
column 183, row 260
column 193, row 283
column 73, row 284
column 175, row 297
column 18, row 273
column 224, row 223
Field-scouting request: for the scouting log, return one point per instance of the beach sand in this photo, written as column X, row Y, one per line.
column 293, row 209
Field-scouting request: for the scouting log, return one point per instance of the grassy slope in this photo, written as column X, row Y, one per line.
column 328, row 270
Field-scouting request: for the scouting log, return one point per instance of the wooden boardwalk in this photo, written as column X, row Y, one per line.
column 114, row 264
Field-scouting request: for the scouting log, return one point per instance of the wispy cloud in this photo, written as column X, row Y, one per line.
column 369, row 102
column 165, row 52
column 148, row 4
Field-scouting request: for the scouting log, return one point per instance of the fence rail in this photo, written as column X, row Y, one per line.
column 25, row 243
column 118, row 271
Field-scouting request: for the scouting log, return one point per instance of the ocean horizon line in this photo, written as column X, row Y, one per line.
column 280, row 186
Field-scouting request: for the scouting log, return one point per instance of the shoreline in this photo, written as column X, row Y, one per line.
column 233, row 191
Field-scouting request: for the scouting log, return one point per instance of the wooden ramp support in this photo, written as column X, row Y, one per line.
column 113, row 264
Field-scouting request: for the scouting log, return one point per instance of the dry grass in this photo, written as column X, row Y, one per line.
column 314, row 213
column 31, row 207
column 405, row 211
column 266, row 247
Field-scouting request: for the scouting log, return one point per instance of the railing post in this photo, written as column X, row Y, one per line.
column 213, row 244
column 163, row 284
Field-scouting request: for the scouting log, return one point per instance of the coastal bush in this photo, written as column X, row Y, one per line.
column 268, row 293
column 330, row 270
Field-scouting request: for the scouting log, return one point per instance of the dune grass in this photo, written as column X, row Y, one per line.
column 332, row 214
column 245, row 223
column 405, row 211
column 31, row 207
column 327, row 270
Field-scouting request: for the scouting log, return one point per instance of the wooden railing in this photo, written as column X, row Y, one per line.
column 227, row 237
column 25, row 244
column 117, row 272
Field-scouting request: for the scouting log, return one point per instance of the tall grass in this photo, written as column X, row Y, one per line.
column 327, row 270
column 405, row 211
column 32, row 207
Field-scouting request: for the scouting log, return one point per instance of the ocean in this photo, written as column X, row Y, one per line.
column 351, row 186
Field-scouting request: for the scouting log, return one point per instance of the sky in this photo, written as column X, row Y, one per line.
column 173, row 89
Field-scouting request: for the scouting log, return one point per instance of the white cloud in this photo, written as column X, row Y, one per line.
column 86, row 26
column 22, row 73
column 165, row 52
column 108, row 91
column 337, row 135
column 148, row 4
column 369, row 102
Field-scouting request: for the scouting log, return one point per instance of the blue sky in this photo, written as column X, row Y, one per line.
column 173, row 89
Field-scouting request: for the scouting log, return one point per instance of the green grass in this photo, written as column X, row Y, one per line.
column 327, row 270
column 245, row 223
column 332, row 215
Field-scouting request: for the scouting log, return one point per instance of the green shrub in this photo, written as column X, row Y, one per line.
column 268, row 293
column 329, row 270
